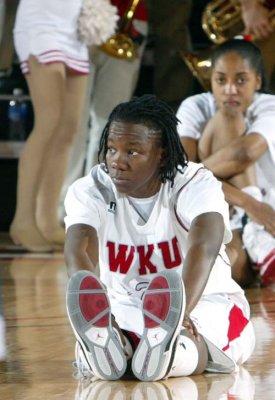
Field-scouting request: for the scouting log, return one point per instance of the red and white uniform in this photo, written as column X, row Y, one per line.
column 48, row 30
column 132, row 251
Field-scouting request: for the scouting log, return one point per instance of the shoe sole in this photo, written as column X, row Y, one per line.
column 218, row 361
column 163, row 309
column 89, row 313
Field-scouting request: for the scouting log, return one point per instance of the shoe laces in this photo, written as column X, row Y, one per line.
column 82, row 369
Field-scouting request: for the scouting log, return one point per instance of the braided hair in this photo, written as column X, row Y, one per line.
column 161, row 119
column 248, row 51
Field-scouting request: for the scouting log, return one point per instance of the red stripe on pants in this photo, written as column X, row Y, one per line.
column 237, row 323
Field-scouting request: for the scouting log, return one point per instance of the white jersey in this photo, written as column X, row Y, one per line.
column 48, row 30
column 130, row 253
column 195, row 111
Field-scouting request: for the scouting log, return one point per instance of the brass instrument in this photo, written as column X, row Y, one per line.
column 222, row 19
column 120, row 45
column 199, row 63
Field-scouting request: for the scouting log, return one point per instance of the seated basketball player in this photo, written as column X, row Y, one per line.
column 231, row 131
column 164, row 304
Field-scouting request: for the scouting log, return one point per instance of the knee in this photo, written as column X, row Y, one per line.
column 47, row 125
column 191, row 355
column 68, row 131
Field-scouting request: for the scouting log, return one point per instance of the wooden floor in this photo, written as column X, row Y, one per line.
column 37, row 344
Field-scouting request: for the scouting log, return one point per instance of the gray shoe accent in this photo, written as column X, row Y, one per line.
column 100, row 344
column 218, row 361
column 154, row 355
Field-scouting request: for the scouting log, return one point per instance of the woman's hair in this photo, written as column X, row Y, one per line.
column 161, row 119
column 248, row 51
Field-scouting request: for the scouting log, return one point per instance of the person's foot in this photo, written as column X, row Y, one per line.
column 54, row 235
column 30, row 238
column 260, row 246
column 57, row 236
column 89, row 313
column 267, row 269
column 163, row 309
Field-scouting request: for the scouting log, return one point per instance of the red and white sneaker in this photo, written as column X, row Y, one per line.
column 260, row 246
column 89, row 313
column 267, row 269
column 163, row 310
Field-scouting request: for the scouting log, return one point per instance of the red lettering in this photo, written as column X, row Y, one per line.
column 121, row 261
column 170, row 262
column 144, row 259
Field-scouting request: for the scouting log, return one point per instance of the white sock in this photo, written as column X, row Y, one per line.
column 269, row 197
column 236, row 219
column 258, row 242
column 256, row 193
column 253, row 191
column 186, row 357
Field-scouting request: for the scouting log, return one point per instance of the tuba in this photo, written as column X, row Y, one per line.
column 199, row 63
column 221, row 21
column 120, row 45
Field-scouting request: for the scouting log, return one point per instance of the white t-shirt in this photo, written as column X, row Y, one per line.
column 130, row 253
column 195, row 111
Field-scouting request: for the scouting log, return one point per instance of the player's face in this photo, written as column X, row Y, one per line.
column 234, row 83
column 134, row 158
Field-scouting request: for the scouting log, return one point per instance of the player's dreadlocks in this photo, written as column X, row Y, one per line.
column 158, row 116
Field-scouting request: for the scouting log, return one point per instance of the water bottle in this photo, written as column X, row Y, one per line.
column 17, row 114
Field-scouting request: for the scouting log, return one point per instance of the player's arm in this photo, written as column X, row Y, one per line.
column 81, row 248
column 204, row 242
column 235, row 157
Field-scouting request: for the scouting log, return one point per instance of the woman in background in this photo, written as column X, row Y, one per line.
column 231, row 131
column 55, row 64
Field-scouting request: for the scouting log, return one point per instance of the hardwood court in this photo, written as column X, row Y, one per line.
column 39, row 344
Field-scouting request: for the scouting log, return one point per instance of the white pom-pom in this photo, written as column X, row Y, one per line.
column 97, row 21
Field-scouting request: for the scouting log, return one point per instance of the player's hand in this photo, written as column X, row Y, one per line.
column 256, row 20
column 190, row 326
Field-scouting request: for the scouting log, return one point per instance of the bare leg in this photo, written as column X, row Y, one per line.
column 219, row 132
column 215, row 136
column 55, row 166
column 241, row 267
column 47, row 85
column 46, row 88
